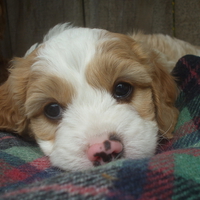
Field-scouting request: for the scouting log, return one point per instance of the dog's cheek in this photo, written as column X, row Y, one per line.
column 143, row 103
column 44, row 132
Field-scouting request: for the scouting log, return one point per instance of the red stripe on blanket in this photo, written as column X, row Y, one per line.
column 72, row 189
column 16, row 174
column 41, row 163
column 160, row 172
column 6, row 137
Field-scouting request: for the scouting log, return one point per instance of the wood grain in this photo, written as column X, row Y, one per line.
column 125, row 16
column 28, row 20
column 187, row 20
column 5, row 43
column 116, row 16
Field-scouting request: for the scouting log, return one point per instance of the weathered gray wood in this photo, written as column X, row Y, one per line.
column 162, row 18
column 187, row 20
column 144, row 15
column 5, row 43
column 2, row 18
column 29, row 20
column 127, row 15
column 116, row 16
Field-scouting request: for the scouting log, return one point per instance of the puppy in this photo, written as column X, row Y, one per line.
column 89, row 96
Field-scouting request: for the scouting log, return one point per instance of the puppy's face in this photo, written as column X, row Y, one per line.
column 89, row 97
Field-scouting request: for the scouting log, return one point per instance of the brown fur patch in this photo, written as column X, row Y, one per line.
column 115, row 61
column 24, row 96
column 164, row 95
column 42, row 128
column 124, row 60
column 43, row 90
column 119, row 61
column 142, row 102
column 13, row 95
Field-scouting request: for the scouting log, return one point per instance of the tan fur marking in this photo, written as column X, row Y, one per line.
column 164, row 94
column 123, row 59
column 42, row 128
column 24, row 96
column 45, row 89
column 171, row 49
column 142, row 102
column 13, row 95
column 115, row 61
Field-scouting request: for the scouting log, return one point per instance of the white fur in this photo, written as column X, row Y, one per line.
column 62, row 54
column 93, row 114
column 91, row 120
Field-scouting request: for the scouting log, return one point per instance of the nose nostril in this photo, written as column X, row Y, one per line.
column 103, row 156
column 107, row 145
column 104, row 152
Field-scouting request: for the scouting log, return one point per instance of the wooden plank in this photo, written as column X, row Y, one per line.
column 144, row 15
column 112, row 15
column 187, row 20
column 2, row 18
column 29, row 20
column 116, row 16
column 127, row 15
column 162, row 19
column 5, row 47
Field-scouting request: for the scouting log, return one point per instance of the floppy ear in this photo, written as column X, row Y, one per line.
column 164, row 93
column 13, row 95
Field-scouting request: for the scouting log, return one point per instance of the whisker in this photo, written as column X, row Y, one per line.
column 165, row 132
column 119, row 155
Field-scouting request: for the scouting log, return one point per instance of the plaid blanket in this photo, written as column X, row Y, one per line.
column 173, row 173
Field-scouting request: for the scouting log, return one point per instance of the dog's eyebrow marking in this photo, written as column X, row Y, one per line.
column 46, row 89
column 116, row 60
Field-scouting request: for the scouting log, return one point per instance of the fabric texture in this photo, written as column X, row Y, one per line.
column 173, row 173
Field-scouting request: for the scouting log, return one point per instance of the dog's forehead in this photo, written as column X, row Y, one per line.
column 68, row 53
column 71, row 53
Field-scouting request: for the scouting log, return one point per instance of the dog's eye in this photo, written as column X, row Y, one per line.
column 122, row 90
column 53, row 111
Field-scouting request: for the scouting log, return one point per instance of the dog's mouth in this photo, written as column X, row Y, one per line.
column 103, row 158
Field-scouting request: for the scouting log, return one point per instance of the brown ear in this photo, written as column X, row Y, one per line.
column 164, row 93
column 12, row 97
